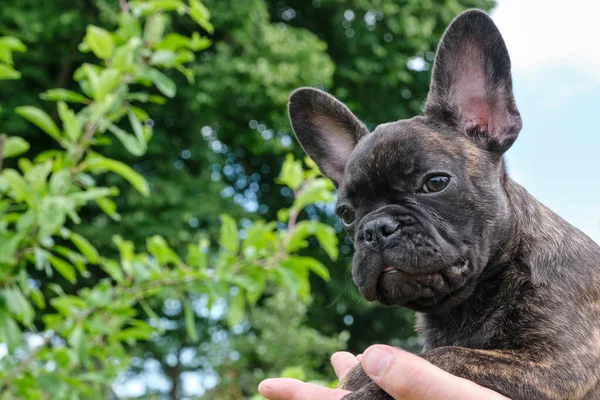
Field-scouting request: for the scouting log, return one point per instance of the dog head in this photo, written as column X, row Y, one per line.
column 423, row 199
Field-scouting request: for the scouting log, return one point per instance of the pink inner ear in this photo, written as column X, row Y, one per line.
column 480, row 107
column 340, row 143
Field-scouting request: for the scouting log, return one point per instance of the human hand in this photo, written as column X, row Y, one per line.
column 403, row 375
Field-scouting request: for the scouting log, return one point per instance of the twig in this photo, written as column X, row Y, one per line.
column 30, row 358
column 89, row 134
column 2, row 141
column 124, row 6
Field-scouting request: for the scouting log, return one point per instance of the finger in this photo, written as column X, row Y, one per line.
column 359, row 356
column 405, row 376
column 343, row 362
column 292, row 389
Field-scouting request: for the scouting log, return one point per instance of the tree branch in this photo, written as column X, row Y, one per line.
column 124, row 6
column 2, row 141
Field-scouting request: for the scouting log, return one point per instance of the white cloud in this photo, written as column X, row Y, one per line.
column 545, row 34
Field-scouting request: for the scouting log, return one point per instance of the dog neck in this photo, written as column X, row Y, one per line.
column 540, row 252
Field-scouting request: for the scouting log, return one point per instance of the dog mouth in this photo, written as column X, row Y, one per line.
column 422, row 290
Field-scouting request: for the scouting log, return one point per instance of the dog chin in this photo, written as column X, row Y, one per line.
column 430, row 292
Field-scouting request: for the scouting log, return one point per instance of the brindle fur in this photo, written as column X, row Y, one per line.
column 525, row 319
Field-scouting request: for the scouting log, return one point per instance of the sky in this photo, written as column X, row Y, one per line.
column 553, row 46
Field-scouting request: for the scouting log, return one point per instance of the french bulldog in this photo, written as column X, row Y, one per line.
column 507, row 293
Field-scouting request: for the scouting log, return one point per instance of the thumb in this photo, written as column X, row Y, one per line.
column 405, row 376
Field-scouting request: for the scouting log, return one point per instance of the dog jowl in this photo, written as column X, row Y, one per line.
column 507, row 294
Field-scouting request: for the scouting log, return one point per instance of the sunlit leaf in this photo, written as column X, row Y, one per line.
column 190, row 320
column 162, row 82
column 228, row 237
column 99, row 41
column 107, row 82
column 71, row 123
column 98, row 163
column 235, row 309
column 85, row 247
column 40, row 119
column 14, row 146
column 8, row 72
column 64, row 95
column 64, row 268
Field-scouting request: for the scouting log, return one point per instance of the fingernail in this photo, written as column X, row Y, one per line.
column 376, row 360
column 265, row 388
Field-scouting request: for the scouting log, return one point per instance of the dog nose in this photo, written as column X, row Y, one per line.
column 379, row 230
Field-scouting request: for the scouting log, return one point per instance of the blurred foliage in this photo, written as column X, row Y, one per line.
column 216, row 112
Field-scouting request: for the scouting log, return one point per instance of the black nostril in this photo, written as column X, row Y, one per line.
column 387, row 230
column 379, row 230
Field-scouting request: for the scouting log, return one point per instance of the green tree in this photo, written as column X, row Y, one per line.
column 217, row 147
column 68, row 333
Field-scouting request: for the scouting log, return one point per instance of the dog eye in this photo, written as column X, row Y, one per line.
column 435, row 184
column 346, row 215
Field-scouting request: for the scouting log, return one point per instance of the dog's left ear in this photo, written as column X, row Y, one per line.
column 471, row 84
column 326, row 129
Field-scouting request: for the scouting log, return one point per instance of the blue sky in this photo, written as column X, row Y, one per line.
column 556, row 73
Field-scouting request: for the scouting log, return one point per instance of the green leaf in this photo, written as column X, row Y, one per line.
column 153, row 316
column 63, row 268
column 129, row 27
column 10, row 334
column 18, row 305
column 197, row 254
column 309, row 263
column 294, row 372
column 314, row 191
column 200, row 15
column 174, row 42
column 162, row 82
column 133, row 145
column 184, row 56
column 228, row 237
column 113, row 269
column 60, row 182
column 325, row 234
column 190, row 320
column 155, row 28
column 40, row 119
column 159, row 248
column 8, row 72
column 37, row 297
column 14, row 146
column 99, row 163
column 327, row 237
column 20, row 189
column 165, row 5
column 109, row 208
column 163, row 58
column 123, row 59
column 78, row 342
column 107, row 82
column 64, row 95
column 52, row 214
column 295, row 276
column 13, row 44
column 291, row 173
column 37, row 175
column 99, row 41
column 235, row 309
column 71, row 123
column 85, row 247
column 138, row 331
column 138, row 130
column 90, row 194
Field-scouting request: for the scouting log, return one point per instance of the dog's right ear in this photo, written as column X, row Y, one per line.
column 326, row 129
column 471, row 83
